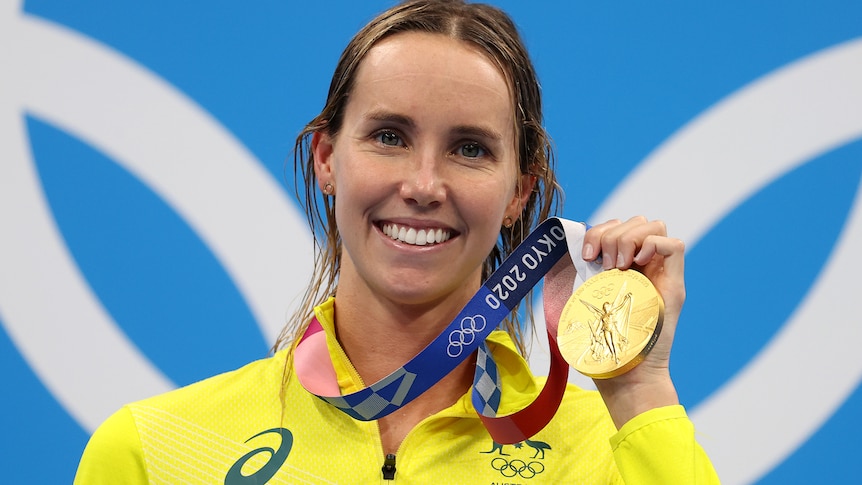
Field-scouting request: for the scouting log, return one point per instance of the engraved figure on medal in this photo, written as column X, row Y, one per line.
column 610, row 323
column 609, row 330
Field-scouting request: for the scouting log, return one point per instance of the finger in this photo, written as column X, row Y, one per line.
column 663, row 261
column 593, row 239
column 630, row 242
column 666, row 247
column 620, row 244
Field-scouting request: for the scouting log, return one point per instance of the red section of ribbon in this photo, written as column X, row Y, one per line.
column 527, row 422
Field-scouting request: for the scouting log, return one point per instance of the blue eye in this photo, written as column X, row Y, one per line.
column 472, row 150
column 389, row 138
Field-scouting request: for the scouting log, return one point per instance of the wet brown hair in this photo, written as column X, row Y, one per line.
column 494, row 34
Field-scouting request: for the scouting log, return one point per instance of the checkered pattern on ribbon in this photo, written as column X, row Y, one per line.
column 370, row 402
column 486, row 384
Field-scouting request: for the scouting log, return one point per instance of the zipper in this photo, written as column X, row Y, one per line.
column 389, row 467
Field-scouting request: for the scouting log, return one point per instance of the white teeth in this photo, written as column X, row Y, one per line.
column 421, row 237
column 411, row 236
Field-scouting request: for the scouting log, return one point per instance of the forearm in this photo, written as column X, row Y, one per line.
column 626, row 398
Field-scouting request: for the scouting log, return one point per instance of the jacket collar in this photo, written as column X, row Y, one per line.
column 519, row 386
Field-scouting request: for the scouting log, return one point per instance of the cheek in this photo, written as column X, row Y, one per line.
column 356, row 190
column 489, row 201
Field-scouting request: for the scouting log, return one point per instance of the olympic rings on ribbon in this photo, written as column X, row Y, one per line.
column 517, row 467
column 458, row 338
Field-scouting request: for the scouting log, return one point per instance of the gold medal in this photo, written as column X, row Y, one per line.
column 610, row 323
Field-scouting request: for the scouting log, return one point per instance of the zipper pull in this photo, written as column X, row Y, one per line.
column 389, row 467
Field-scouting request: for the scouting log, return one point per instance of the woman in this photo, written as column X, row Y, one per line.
column 433, row 165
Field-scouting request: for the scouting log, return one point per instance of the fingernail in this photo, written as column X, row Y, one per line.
column 620, row 260
column 607, row 263
column 589, row 251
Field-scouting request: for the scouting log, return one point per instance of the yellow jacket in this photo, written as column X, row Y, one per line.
column 235, row 428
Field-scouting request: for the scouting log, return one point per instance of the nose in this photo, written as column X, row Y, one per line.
column 423, row 183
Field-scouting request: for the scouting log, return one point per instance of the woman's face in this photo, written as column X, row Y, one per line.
column 424, row 169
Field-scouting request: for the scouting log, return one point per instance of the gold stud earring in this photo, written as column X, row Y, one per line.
column 507, row 222
column 328, row 189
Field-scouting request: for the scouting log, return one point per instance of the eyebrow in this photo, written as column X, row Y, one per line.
column 478, row 132
column 388, row 116
column 462, row 130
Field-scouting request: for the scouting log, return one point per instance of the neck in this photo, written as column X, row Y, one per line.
column 380, row 336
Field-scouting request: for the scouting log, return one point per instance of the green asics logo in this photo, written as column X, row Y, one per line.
column 276, row 459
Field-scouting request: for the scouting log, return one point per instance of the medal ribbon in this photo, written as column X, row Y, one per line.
column 540, row 254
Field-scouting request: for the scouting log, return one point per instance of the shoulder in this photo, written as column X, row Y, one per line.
column 248, row 382
column 219, row 405
column 114, row 450
column 180, row 428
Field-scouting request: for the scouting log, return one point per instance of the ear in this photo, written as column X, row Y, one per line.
column 322, row 147
column 526, row 184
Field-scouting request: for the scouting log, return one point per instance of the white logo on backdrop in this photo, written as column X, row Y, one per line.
column 174, row 147
column 716, row 162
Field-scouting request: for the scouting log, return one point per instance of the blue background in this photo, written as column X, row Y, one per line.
column 618, row 77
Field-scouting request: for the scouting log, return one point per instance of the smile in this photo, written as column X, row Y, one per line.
column 420, row 237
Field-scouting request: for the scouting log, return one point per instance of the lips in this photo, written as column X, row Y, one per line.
column 414, row 236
